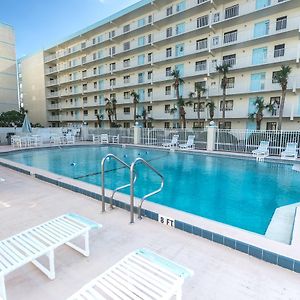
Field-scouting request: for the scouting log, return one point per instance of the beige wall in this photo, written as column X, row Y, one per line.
column 33, row 88
column 8, row 73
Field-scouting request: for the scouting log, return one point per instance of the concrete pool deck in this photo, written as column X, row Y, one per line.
column 220, row 272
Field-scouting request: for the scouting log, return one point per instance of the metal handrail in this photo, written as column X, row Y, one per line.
column 103, row 179
column 132, row 181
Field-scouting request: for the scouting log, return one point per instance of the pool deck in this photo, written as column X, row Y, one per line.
column 220, row 272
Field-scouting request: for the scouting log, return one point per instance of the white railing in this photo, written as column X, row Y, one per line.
column 245, row 141
column 126, row 135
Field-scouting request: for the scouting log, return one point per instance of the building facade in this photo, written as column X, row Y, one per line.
column 8, row 70
column 139, row 47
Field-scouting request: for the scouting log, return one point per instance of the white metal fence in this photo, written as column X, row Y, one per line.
column 236, row 140
column 126, row 135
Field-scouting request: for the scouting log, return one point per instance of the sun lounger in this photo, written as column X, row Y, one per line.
column 96, row 138
column 140, row 275
column 42, row 240
column 189, row 144
column 290, row 151
column 262, row 151
column 104, row 138
column 173, row 142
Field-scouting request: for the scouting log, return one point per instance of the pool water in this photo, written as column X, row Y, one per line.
column 238, row 192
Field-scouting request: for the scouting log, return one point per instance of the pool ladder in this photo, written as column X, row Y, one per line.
column 133, row 177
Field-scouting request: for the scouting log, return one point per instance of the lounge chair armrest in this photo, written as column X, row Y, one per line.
column 85, row 221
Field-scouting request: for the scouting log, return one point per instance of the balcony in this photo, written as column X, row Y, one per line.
column 53, row 118
column 51, row 82
column 53, row 106
column 51, row 70
column 50, row 57
column 52, row 94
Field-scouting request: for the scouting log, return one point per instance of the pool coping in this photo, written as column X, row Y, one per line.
column 284, row 255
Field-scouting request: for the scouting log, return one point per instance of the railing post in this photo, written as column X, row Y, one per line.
column 103, row 184
column 132, row 193
column 211, row 136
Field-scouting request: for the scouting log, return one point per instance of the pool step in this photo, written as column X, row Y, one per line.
column 281, row 226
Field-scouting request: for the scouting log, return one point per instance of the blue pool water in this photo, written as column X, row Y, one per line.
column 242, row 193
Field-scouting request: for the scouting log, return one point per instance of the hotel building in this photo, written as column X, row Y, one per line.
column 8, row 70
column 138, row 47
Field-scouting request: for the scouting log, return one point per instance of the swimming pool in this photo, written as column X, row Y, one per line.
column 238, row 192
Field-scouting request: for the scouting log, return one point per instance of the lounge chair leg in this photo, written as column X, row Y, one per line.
column 51, row 271
column 86, row 250
column 2, row 288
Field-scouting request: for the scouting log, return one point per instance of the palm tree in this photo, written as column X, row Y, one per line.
column 223, row 69
column 114, row 108
column 109, row 110
column 100, row 119
column 136, row 100
column 200, row 90
column 178, row 81
column 282, row 77
column 211, row 108
column 259, row 114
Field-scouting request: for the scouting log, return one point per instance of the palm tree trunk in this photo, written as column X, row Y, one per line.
column 183, row 119
column 134, row 113
column 178, row 96
column 110, row 121
column 198, row 111
column 281, row 108
column 223, row 107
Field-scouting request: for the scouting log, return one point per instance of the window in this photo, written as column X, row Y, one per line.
column 180, row 6
column 229, row 59
column 149, row 38
column 84, row 99
column 94, row 71
column 126, row 46
column 150, row 93
column 141, row 59
column 112, row 50
column 274, row 79
column 112, row 66
column 201, row 107
column 180, row 28
column 168, row 52
column 259, row 56
column 111, row 34
column 263, row 3
column 258, row 81
column 279, row 50
column 202, row 21
column 141, row 77
column 168, row 71
column 84, row 87
column 179, row 50
column 201, row 44
column 227, row 125
column 149, row 108
column 200, row 65
column 95, row 99
column 228, row 105
column 150, row 18
column 150, row 57
column 169, row 11
column 127, row 79
column 168, row 90
column 126, row 124
column 230, row 36
column 231, row 11
column 85, row 112
column 83, row 74
column 169, row 32
column 126, row 110
column 95, row 84
column 271, row 126
column 281, row 23
column 167, row 125
column 261, row 29
column 150, row 73
column 141, row 41
column 141, row 22
column 126, row 28
column 96, row 112
column 198, row 125
column 275, row 102
column 167, row 109
column 200, row 84
column 126, row 63
column 112, row 82
column 230, row 82
column 126, row 95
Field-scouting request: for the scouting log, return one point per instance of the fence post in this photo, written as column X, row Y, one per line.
column 211, row 136
column 137, row 133
column 84, row 132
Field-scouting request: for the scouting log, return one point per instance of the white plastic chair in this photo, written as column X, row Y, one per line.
column 115, row 139
column 104, row 138
column 96, row 138
column 140, row 275
column 42, row 240
column 290, row 151
column 173, row 143
column 262, row 151
column 189, row 144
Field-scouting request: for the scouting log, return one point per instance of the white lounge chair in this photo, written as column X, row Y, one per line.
column 173, row 143
column 42, row 240
column 16, row 141
column 140, row 275
column 96, row 138
column 262, row 151
column 104, row 138
column 290, row 151
column 189, row 144
column 115, row 139
column 70, row 139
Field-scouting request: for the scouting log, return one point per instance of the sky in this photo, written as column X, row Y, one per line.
column 40, row 23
